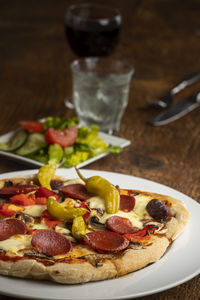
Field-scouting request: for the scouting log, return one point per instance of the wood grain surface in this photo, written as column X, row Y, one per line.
column 161, row 39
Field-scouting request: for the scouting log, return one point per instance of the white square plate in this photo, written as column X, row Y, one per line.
column 109, row 139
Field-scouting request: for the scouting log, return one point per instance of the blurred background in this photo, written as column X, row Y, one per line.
column 32, row 39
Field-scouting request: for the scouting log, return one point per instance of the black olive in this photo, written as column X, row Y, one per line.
column 56, row 185
column 158, row 210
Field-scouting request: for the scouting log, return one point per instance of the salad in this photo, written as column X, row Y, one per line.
column 56, row 141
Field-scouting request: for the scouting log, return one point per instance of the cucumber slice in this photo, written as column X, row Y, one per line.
column 35, row 142
column 17, row 140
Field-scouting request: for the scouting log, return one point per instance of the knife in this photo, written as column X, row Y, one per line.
column 176, row 111
column 167, row 100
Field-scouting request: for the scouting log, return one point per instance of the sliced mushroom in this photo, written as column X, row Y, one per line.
column 99, row 211
column 27, row 219
column 135, row 245
column 71, row 238
column 96, row 259
column 95, row 224
column 36, row 254
column 161, row 227
column 40, row 256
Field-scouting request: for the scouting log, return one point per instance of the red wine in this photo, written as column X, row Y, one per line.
column 91, row 34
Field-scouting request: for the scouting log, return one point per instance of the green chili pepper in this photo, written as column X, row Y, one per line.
column 45, row 175
column 78, row 227
column 99, row 186
column 61, row 211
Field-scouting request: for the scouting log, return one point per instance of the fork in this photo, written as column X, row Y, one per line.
column 167, row 99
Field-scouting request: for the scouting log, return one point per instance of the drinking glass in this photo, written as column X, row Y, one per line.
column 100, row 91
column 92, row 31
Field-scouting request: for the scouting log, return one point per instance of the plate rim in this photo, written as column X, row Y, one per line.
column 143, row 180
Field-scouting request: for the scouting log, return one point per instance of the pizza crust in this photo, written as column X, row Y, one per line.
column 74, row 273
column 128, row 262
column 133, row 260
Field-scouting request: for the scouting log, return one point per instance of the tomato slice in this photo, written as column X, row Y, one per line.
column 33, row 126
column 64, row 138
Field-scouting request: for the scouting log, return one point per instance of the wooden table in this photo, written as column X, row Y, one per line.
column 161, row 39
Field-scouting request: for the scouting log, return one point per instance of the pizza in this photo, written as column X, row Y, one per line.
column 76, row 230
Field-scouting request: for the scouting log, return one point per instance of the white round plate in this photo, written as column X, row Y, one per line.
column 179, row 264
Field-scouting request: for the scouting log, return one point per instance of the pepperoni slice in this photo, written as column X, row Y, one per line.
column 120, row 225
column 51, row 243
column 106, row 241
column 127, row 203
column 9, row 191
column 10, row 227
column 76, row 191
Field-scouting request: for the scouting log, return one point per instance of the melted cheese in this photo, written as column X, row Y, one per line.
column 77, row 251
column 139, row 212
column 38, row 226
column 62, row 230
column 14, row 244
column 35, row 210
column 74, row 181
column 96, row 202
column 135, row 219
column 141, row 202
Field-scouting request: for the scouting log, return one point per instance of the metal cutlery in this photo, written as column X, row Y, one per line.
column 177, row 111
column 167, row 100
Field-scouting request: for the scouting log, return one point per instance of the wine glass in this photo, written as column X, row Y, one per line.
column 92, row 31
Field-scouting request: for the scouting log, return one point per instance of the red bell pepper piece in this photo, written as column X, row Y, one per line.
column 5, row 211
column 44, row 192
column 22, row 199
column 87, row 214
column 49, row 221
column 41, row 200
column 141, row 233
column 33, row 231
